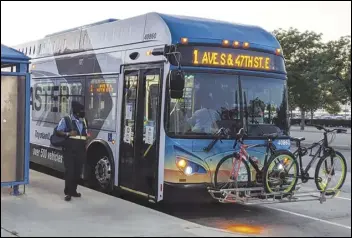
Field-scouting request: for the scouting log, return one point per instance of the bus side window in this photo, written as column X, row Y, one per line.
column 42, row 101
column 101, row 102
column 63, row 95
column 71, row 89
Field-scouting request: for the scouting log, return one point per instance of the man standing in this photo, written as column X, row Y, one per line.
column 74, row 149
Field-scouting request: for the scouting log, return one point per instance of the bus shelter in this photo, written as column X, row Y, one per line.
column 15, row 104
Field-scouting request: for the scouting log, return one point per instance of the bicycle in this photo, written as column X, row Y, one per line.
column 279, row 173
column 243, row 156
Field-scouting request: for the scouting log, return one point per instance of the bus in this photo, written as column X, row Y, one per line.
column 148, row 84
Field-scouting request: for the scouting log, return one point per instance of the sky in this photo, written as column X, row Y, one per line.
column 32, row 20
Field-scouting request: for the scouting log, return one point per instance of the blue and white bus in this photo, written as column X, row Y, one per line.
column 144, row 133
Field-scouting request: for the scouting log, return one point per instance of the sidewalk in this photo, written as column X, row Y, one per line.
column 43, row 212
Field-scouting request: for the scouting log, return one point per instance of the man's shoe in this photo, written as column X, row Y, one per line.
column 76, row 195
column 67, row 198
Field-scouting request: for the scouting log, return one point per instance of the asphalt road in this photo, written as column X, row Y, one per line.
column 332, row 218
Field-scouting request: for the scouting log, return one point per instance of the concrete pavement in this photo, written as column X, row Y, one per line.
column 43, row 212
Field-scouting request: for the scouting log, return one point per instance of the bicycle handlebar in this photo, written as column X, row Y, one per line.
column 338, row 130
column 239, row 137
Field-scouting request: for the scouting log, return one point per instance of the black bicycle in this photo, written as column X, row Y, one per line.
column 277, row 172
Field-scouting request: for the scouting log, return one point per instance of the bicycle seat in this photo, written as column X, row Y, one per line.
column 271, row 136
column 297, row 139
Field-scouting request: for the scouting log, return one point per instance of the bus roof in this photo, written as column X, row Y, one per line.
column 207, row 30
column 150, row 27
column 89, row 25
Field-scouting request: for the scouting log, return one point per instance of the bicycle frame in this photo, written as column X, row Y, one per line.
column 243, row 154
column 322, row 144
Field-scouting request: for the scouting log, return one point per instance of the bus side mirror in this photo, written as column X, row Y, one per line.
column 177, row 83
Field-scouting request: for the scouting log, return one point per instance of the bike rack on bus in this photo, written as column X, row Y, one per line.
column 257, row 196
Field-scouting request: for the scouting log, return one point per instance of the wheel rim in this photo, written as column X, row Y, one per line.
column 326, row 167
column 278, row 174
column 223, row 176
column 103, row 171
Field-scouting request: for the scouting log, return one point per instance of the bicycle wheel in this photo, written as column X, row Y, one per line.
column 223, row 179
column 324, row 165
column 276, row 173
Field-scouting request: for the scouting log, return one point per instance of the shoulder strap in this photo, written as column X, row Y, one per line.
column 85, row 123
column 68, row 122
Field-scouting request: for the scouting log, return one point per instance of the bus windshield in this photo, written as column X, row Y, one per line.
column 264, row 105
column 211, row 101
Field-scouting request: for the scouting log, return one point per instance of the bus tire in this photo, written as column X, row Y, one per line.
column 101, row 168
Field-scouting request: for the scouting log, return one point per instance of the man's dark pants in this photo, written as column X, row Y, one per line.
column 73, row 155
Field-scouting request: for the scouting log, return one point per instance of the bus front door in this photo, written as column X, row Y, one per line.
column 139, row 146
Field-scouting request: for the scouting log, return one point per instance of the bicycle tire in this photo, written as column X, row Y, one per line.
column 317, row 169
column 246, row 184
column 274, row 156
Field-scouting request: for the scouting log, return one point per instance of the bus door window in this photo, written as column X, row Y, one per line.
column 101, row 102
column 147, row 156
column 127, row 158
column 130, row 104
column 151, row 111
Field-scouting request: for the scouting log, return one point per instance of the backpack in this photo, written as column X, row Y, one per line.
column 58, row 140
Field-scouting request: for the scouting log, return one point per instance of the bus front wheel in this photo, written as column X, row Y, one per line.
column 101, row 169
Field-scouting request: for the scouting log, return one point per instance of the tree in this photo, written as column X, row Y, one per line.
column 291, row 102
column 303, row 55
column 337, row 59
column 333, row 108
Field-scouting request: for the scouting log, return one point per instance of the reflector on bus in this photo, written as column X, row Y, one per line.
column 225, row 42
column 236, row 43
column 245, row 45
column 184, row 40
column 278, row 51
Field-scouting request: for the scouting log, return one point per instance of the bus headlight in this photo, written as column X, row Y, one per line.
column 189, row 167
column 188, row 170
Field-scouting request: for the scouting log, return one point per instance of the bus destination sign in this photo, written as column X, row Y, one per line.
column 101, row 88
column 230, row 58
column 215, row 58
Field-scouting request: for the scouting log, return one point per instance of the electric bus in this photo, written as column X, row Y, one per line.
column 156, row 88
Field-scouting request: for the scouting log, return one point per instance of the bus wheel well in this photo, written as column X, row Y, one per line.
column 94, row 150
column 100, row 167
